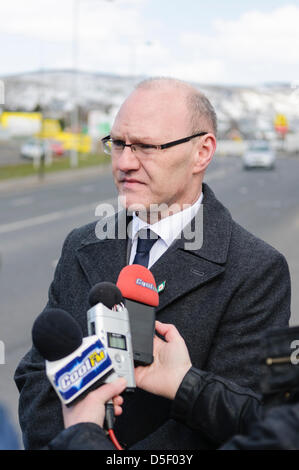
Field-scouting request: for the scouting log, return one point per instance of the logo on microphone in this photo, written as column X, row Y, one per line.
column 70, row 379
column 82, row 370
column 148, row 285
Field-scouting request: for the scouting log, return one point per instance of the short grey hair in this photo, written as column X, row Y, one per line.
column 202, row 113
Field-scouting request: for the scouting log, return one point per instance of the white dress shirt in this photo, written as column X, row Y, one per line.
column 168, row 230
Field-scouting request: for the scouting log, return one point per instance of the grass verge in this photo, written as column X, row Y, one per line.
column 59, row 164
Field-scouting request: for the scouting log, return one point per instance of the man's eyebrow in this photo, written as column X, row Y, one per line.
column 115, row 136
column 133, row 139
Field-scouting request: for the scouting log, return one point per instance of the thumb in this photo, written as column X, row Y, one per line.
column 108, row 391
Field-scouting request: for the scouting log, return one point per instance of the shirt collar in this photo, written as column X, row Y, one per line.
column 170, row 227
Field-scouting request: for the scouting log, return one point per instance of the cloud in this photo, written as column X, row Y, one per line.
column 115, row 36
column 260, row 45
column 106, row 34
column 53, row 19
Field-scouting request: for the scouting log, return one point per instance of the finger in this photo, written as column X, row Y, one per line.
column 108, row 391
column 169, row 331
column 118, row 410
column 118, row 400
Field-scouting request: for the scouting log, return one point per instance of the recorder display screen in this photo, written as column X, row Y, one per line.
column 117, row 341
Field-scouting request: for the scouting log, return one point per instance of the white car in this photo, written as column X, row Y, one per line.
column 259, row 155
column 35, row 148
column 32, row 149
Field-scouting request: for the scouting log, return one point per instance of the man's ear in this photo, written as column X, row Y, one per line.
column 203, row 155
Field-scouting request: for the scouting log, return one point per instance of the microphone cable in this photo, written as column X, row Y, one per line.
column 109, row 424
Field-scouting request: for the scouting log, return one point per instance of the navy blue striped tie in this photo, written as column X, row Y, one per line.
column 146, row 239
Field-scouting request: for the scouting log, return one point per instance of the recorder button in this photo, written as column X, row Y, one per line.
column 118, row 357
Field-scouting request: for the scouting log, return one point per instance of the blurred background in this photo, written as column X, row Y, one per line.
column 66, row 66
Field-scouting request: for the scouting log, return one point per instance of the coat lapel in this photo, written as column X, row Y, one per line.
column 103, row 258
column 185, row 269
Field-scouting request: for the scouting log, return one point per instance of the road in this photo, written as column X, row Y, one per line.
column 10, row 152
column 34, row 223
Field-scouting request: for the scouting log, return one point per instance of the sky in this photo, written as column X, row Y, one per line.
column 229, row 42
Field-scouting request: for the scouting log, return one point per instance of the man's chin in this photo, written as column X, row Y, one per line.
column 132, row 204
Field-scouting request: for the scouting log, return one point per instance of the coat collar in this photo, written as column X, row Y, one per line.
column 183, row 269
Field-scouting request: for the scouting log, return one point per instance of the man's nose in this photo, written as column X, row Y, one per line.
column 127, row 160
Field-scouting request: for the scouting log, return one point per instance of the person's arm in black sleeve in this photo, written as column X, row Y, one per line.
column 205, row 402
column 81, row 436
column 217, row 407
column 278, row 430
column 84, row 420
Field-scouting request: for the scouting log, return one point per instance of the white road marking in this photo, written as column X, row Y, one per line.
column 44, row 219
column 58, row 215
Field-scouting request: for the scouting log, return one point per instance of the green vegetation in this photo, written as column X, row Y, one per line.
column 59, row 164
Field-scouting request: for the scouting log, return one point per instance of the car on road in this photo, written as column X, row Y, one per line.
column 259, row 154
column 35, row 148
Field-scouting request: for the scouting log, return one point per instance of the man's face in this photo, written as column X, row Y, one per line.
column 154, row 116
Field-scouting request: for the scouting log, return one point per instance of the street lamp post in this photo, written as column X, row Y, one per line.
column 74, row 113
column 75, row 110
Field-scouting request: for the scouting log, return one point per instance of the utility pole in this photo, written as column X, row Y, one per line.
column 75, row 112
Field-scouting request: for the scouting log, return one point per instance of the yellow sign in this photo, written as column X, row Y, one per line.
column 7, row 117
column 281, row 121
column 79, row 142
column 281, row 124
column 50, row 129
column 22, row 124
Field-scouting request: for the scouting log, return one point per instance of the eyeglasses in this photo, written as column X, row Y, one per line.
column 115, row 146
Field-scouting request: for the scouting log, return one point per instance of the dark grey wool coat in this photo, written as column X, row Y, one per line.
column 220, row 297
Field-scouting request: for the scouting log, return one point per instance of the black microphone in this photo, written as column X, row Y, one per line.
column 74, row 365
column 106, row 293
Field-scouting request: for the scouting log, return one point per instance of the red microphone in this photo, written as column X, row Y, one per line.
column 138, row 286
column 137, row 283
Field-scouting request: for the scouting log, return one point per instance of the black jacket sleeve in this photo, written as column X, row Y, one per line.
column 82, row 436
column 278, row 430
column 215, row 406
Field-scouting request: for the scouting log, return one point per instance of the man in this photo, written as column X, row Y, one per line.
column 220, row 295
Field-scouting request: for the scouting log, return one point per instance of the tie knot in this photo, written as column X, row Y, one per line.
column 146, row 239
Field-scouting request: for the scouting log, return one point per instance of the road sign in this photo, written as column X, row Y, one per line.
column 281, row 124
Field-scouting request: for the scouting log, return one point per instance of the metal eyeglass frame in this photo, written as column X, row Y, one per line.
column 104, row 140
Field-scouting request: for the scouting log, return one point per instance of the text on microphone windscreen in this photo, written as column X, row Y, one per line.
column 137, row 283
column 56, row 334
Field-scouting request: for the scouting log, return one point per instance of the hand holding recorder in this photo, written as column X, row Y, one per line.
column 171, row 363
